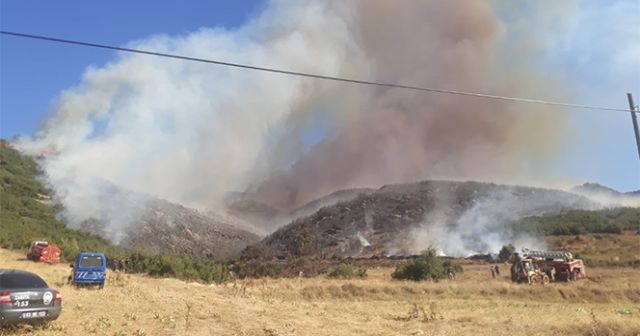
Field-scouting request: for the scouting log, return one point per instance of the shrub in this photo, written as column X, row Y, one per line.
column 506, row 252
column 426, row 266
column 451, row 267
column 347, row 271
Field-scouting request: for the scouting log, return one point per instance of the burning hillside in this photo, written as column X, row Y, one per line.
column 458, row 218
column 143, row 222
column 171, row 228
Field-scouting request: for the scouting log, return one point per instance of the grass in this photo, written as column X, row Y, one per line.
column 473, row 304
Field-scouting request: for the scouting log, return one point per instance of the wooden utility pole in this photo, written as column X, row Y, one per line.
column 634, row 119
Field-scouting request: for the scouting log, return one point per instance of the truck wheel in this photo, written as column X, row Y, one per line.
column 101, row 286
column 545, row 279
column 533, row 280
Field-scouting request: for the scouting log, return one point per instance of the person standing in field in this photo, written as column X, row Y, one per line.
column 493, row 272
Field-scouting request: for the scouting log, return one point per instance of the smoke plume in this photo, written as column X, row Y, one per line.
column 191, row 133
column 486, row 226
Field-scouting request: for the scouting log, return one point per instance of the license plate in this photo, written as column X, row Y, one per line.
column 35, row 314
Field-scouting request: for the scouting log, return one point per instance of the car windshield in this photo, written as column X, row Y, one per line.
column 91, row 261
column 21, row 280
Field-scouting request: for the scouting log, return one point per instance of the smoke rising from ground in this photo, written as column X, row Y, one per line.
column 485, row 226
column 191, row 133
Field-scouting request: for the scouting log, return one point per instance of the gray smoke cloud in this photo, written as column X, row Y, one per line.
column 191, row 133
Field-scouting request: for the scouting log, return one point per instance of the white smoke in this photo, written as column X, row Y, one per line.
column 486, row 225
column 184, row 131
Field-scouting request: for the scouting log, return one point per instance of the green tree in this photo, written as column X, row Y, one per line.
column 426, row 266
column 347, row 271
column 506, row 252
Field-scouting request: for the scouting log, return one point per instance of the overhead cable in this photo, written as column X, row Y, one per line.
column 316, row 76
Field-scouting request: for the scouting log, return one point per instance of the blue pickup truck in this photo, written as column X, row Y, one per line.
column 90, row 269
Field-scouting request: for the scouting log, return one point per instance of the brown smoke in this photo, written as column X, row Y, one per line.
column 399, row 135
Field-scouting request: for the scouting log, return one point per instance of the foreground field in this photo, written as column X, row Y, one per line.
column 472, row 304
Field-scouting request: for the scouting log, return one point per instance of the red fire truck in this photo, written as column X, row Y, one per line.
column 42, row 251
column 556, row 265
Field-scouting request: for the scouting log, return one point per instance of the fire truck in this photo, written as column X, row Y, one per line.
column 42, row 251
column 546, row 266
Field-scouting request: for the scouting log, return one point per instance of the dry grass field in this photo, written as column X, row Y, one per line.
column 472, row 304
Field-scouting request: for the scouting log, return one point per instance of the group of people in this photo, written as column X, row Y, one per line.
column 118, row 265
column 495, row 271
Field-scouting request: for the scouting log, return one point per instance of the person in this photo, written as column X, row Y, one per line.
column 113, row 264
column 451, row 276
column 70, row 278
column 493, row 272
column 497, row 268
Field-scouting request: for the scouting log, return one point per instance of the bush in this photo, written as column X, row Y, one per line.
column 451, row 267
column 347, row 271
column 506, row 252
column 426, row 266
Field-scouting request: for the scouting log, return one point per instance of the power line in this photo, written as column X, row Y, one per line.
column 310, row 75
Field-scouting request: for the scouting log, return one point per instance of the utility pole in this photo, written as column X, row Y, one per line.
column 634, row 119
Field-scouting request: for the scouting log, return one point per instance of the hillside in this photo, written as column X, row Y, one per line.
column 143, row 223
column 595, row 188
column 607, row 249
column 27, row 213
column 265, row 219
column 328, row 200
column 608, row 196
column 400, row 219
column 169, row 227
column 575, row 222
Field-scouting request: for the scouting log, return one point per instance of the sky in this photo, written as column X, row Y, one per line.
column 34, row 73
column 598, row 47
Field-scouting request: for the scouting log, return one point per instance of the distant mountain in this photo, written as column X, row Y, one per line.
column 608, row 195
column 465, row 215
column 264, row 219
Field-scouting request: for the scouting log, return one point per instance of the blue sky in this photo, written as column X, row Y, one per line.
column 34, row 73
column 597, row 50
